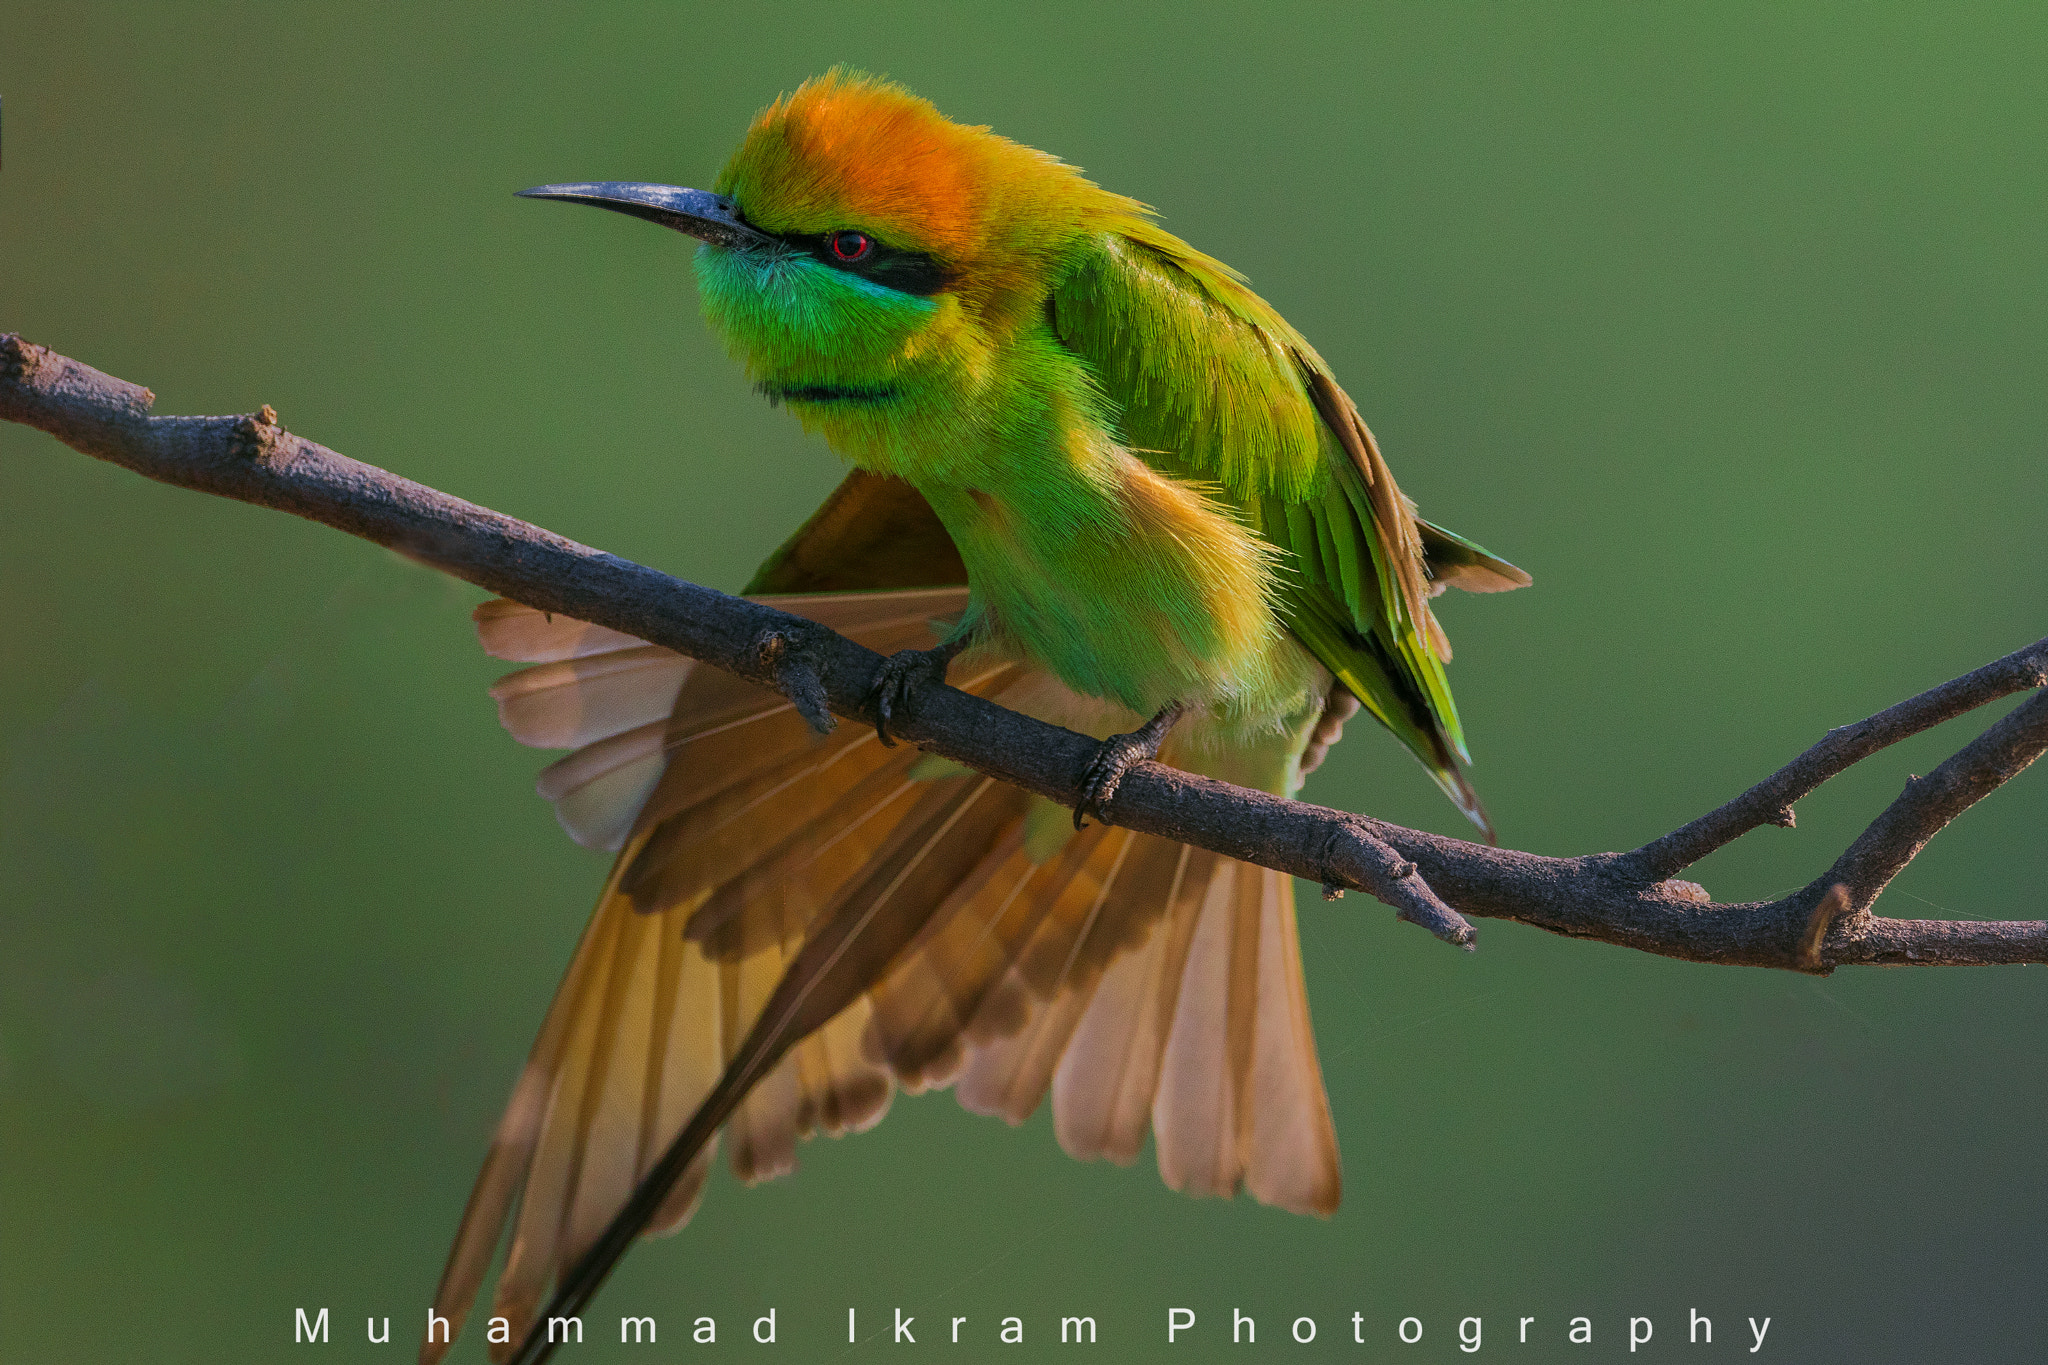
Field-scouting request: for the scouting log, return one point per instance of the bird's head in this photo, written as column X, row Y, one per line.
column 863, row 254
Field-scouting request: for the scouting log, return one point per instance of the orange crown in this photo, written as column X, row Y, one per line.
column 848, row 150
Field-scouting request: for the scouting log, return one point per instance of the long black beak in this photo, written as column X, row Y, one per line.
column 708, row 217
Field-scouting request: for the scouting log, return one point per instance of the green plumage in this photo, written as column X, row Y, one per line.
column 1155, row 486
column 1162, row 505
column 1207, row 381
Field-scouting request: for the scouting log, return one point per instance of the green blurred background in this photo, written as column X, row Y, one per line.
column 1727, row 322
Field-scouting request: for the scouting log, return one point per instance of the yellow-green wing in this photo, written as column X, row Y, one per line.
column 1206, row 381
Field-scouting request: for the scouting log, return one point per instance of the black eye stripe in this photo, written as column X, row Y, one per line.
column 909, row 272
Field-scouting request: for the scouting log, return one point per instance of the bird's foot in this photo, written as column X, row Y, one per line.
column 1116, row 756
column 900, row 677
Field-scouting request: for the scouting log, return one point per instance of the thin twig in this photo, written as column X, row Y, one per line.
column 1987, row 762
column 1627, row 899
column 1770, row 801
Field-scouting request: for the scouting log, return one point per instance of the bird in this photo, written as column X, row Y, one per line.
column 1093, row 478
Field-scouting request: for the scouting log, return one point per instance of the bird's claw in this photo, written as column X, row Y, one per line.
column 900, row 677
column 1116, row 756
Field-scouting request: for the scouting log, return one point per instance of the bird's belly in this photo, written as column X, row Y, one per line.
column 1166, row 599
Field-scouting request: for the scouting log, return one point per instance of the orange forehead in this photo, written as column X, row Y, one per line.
column 848, row 150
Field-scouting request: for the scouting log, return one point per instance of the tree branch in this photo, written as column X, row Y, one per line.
column 1626, row 899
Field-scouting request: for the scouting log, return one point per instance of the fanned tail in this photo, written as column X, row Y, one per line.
column 1179, row 1003
column 733, row 825
column 794, row 925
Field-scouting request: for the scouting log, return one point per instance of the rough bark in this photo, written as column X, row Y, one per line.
column 1623, row 898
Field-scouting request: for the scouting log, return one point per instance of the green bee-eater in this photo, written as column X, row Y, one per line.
column 1092, row 464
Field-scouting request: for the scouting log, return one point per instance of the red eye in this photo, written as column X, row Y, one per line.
column 851, row 246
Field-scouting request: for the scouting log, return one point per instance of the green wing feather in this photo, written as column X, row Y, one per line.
column 1204, row 380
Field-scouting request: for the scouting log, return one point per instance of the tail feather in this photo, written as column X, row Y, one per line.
column 1196, row 1114
column 680, row 1206
column 523, row 634
column 508, row 1167
column 607, row 1130
column 1103, row 1090
column 801, row 874
column 707, row 845
column 1109, row 906
column 783, row 811
column 550, row 1178
column 793, row 926
column 919, row 1009
column 852, row 1092
column 959, row 980
column 1007, row 1077
column 597, row 789
column 1292, row 1162
column 762, row 1134
column 704, row 764
column 572, row 703
column 688, row 1055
